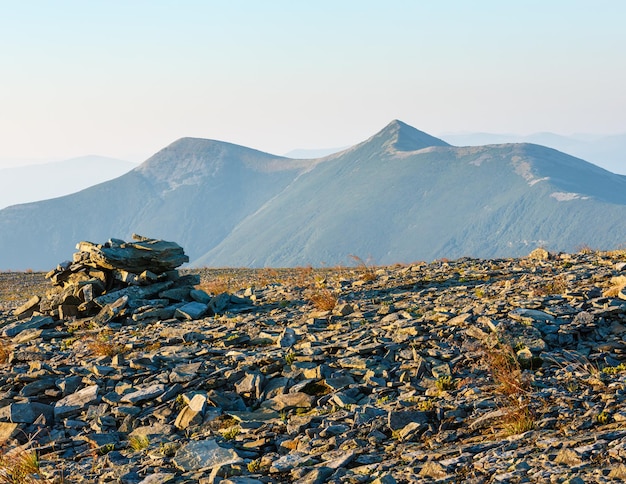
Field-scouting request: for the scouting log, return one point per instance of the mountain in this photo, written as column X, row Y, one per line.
column 608, row 152
column 400, row 196
column 193, row 192
column 31, row 183
column 308, row 154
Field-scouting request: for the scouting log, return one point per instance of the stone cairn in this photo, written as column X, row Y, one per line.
column 121, row 281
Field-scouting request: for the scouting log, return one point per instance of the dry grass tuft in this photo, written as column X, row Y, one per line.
column 19, row 466
column 217, row 286
column 585, row 249
column 5, row 350
column 518, row 419
column 558, row 285
column 103, row 346
column 505, row 370
column 138, row 442
column 367, row 273
column 617, row 285
column 507, row 373
column 323, row 299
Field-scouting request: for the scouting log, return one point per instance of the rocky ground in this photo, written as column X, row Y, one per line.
column 454, row 371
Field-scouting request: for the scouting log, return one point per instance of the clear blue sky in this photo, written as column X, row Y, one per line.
column 124, row 78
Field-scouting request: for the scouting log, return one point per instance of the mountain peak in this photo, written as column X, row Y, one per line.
column 399, row 136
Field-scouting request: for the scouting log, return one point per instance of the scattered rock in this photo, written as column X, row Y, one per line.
column 468, row 370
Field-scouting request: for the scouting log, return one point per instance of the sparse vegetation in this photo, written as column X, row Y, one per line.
column 445, row 383
column 425, row 405
column 103, row 346
column 5, row 350
column 602, row 418
column 19, row 466
column 505, row 370
column 323, row 299
column 105, row 449
column 290, row 358
column 254, row 466
column 557, row 285
column 614, row 370
column 514, row 385
column 366, row 272
column 168, row 449
column 138, row 442
column 518, row 419
column 386, row 363
column 231, row 432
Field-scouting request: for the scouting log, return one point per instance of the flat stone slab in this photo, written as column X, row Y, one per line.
column 204, row 454
column 143, row 255
column 26, row 412
column 36, row 322
column 192, row 310
column 148, row 393
column 400, row 419
column 76, row 402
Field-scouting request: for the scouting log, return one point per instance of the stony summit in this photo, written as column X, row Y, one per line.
column 119, row 367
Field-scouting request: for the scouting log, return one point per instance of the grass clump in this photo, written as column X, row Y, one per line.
column 103, row 346
column 138, row 442
column 445, row 383
column 5, row 350
column 557, row 285
column 518, row 419
column 290, row 358
column 425, row 405
column 323, row 299
column 19, row 467
column 254, row 466
column 506, row 372
column 231, row 432
column 614, row 370
column 603, row 418
column 366, row 272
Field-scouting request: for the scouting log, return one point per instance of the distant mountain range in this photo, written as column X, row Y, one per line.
column 31, row 183
column 400, row 196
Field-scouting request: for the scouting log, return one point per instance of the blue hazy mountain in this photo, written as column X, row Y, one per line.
column 34, row 182
column 400, row 196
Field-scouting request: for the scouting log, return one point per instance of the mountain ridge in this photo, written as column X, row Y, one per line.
column 57, row 178
column 399, row 196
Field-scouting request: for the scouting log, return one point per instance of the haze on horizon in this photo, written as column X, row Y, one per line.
column 124, row 79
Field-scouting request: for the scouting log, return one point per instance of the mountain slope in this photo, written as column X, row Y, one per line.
column 442, row 201
column 31, row 183
column 193, row 191
column 402, row 195
column 606, row 151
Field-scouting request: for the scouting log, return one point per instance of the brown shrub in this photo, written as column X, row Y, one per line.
column 366, row 272
column 5, row 350
column 323, row 299
column 103, row 346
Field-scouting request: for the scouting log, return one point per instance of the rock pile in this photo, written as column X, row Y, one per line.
column 455, row 371
column 123, row 281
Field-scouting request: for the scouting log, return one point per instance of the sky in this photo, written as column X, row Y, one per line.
column 124, row 78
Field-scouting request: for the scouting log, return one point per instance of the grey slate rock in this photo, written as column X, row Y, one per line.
column 27, row 413
column 143, row 255
column 35, row 322
column 204, row 454
column 76, row 402
column 148, row 393
column 192, row 310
